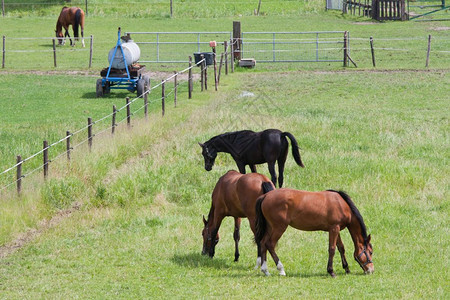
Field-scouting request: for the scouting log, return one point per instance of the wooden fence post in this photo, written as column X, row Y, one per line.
column 54, row 52
column 86, row 7
column 220, row 68
column 225, row 46
column 113, row 125
column 163, row 98
column 175, row 88
column 3, row 8
column 90, row 50
column 190, row 79
column 373, row 51
column 146, row 105
column 428, row 51
column 215, row 68
column 68, row 144
column 237, row 40
column 19, row 174
column 202, row 74
column 45, row 158
column 206, row 74
column 345, row 49
column 90, row 133
column 259, row 6
column 232, row 56
column 127, row 100
column 4, row 52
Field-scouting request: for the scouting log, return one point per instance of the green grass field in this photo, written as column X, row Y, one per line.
column 124, row 221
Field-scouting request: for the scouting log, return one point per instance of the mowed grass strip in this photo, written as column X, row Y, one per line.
column 137, row 233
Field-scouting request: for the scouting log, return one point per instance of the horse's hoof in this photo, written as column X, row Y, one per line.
column 282, row 273
column 347, row 271
column 333, row 275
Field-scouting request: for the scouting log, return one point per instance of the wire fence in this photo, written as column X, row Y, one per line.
column 120, row 115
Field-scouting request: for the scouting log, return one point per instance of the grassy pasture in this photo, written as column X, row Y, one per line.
column 134, row 230
column 137, row 233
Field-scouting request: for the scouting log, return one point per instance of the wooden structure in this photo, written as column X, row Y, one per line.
column 380, row 10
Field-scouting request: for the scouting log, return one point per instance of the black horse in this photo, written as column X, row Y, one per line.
column 250, row 148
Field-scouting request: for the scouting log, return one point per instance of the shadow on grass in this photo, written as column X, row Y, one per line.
column 112, row 95
column 196, row 260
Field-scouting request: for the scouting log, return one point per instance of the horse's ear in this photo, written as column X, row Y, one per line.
column 204, row 220
column 368, row 238
column 201, row 145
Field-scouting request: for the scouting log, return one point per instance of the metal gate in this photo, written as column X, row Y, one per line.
column 318, row 46
column 175, row 47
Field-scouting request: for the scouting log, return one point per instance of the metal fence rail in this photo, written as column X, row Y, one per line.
column 175, row 47
column 319, row 46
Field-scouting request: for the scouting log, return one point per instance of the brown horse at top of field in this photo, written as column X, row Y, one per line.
column 234, row 195
column 330, row 211
column 70, row 16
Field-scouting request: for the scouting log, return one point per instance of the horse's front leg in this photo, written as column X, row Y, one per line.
column 237, row 237
column 340, row 246
column 253, row 168
column 333, row 236
column 68, row 35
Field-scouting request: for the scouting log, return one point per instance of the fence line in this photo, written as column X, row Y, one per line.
column 21, row 162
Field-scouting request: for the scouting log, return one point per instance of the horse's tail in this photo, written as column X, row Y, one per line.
column 295, row 151
column 261, row 223
column 77, row 22
column 354, row 210
column 267, row 186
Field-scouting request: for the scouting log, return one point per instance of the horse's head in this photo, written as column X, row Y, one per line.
column 209, row 242
column 60, row 37
column 364, row 257
column 209, row 154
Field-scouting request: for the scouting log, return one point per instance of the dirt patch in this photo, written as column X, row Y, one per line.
column 32, row 234
column 441, row 28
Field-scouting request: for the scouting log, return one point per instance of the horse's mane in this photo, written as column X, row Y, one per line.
column 355, row 211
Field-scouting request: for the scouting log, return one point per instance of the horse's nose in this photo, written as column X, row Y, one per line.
column 208, row 168
column 370, row 270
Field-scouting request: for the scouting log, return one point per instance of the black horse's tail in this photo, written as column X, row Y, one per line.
column 261, row 223
column 295, row 151
column 267, row 186
column 77, row 22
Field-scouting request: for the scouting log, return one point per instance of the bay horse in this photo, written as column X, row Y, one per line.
column 70, row 16
column 234, row 195
column 330, row 211
column 250, row 148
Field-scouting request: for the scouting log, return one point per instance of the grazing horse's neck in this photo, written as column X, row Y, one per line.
column 58, row 26
column 356, row 233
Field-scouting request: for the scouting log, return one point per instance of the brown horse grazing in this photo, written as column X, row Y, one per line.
column 235, row 195
column 329, row 211
column 70, row 16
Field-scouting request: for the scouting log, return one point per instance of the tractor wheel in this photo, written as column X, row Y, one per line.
column 140, row 87
column 107, row 88
column 99, row 88
column 146, row 79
